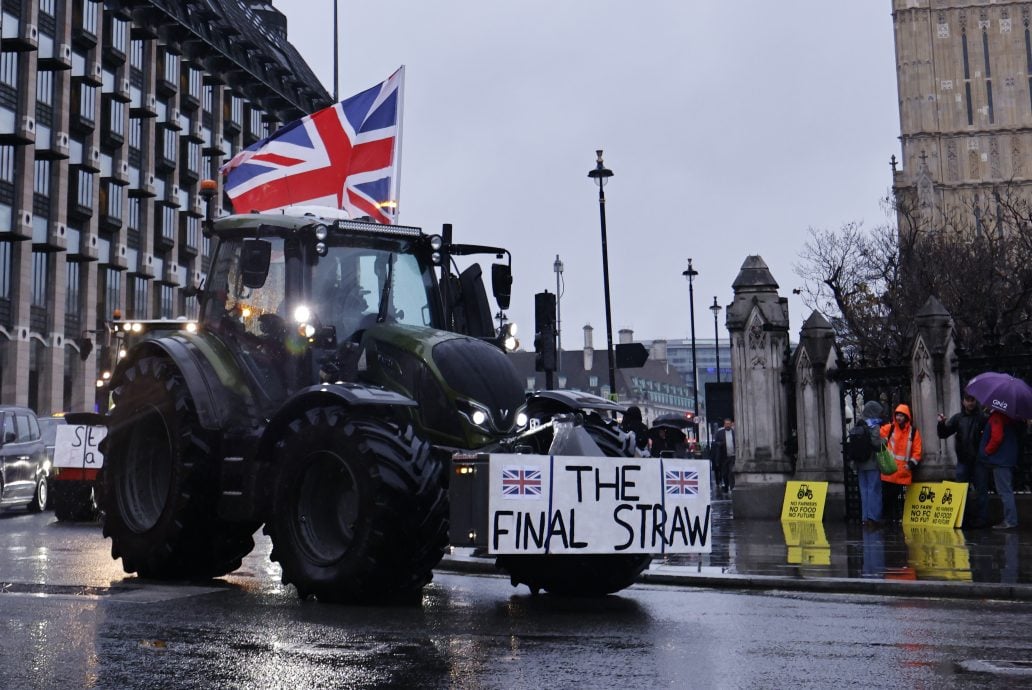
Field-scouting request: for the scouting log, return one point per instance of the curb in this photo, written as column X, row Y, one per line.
column 828, row 585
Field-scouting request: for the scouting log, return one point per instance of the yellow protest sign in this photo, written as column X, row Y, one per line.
column 804, row 501
column 956, row 493
column 937, row 553
column 935, row 504
column 806, row 542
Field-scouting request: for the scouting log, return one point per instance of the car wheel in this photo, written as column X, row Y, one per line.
column 39, row 498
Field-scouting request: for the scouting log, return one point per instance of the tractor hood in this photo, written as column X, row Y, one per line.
column 468, row 391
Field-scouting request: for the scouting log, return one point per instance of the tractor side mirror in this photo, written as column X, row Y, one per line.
column 9, row 437
column 254, row 262
column 501, row 284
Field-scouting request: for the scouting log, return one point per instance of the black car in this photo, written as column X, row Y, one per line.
column 23, row 460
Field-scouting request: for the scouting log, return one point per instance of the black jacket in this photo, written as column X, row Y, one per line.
column 968, row 428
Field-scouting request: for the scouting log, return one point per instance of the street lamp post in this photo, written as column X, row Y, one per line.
column 558, row 266
column 716, row 333
column 690, row 274
column 601, row 174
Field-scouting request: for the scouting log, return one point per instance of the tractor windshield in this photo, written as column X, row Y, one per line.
column 349, row 282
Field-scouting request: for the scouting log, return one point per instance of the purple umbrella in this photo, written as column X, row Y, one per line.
column 1002, row 392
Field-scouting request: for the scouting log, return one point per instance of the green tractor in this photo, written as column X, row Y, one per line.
column 338, row 369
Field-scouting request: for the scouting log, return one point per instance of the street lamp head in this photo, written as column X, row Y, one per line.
column 600, row 173
column 557, row 265
column 715, row 308
column 691, row 272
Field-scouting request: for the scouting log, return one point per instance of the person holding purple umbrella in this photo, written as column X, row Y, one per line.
column 998, row 453
column 1009, row 399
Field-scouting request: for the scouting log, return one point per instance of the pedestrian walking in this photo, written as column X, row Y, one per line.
column 904, row 442
column 967, row 426
column 722, row 456
column 862, row 444
column 998, row 454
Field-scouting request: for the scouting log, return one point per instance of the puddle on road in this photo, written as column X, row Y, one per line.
column 137, row 594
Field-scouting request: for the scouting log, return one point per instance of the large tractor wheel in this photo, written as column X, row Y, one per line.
column 74, row 502
column 580, row 576
column 360, row 510
column 161, row 485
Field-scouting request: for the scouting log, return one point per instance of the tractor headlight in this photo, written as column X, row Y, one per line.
column 511, row 344
column 321, row 232
column 479, row 417
column 521, row 420
column 436, row 242
column 302, row 314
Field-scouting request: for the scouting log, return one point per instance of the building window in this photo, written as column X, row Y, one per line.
column 9, row 69
column 169, row 224
column 132, row 216
column 166, row 301
column 87, row 104
column 114, row 120
column 44, row 88
column 72, row 294
column 138, row 292
column 5, row 270
column 137, row 51
column 87, row 16
column 111, row 203
column 48, row 7
column 111, row 289
column 84, row 197
column 39, row 279
column 118, row 34
column 6, row 186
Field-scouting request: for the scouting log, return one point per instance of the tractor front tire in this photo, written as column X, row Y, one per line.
column 161, row 483
column 360, row 510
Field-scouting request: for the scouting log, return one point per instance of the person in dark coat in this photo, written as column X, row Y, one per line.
column 998, row 454
column 967, row 426
column 722, row 456
column 632, row 423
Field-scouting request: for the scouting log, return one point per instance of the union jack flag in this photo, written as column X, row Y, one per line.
column 681, row 482
column 521, row 482
column 346, row 156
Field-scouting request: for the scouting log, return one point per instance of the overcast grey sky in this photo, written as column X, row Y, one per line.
column 731, row 128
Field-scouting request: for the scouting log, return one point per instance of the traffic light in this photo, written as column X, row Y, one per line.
column 544, row 331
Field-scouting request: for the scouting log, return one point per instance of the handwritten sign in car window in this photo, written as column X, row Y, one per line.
column 78, row 446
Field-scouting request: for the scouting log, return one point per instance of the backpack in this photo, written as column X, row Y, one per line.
column 858, row 444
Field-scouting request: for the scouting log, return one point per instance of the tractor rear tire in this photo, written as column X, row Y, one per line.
column 161, row 484
column 360, row 510
column 580, row 576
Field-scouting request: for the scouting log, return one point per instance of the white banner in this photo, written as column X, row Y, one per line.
column 584, row 505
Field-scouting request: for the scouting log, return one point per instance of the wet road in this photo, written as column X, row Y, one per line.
column 70, row 618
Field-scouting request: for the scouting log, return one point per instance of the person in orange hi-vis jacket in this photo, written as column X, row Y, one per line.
column 904, row 442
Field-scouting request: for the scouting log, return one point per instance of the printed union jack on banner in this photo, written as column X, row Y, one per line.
column 521, row 482
column 681, row 482
column 345, row 156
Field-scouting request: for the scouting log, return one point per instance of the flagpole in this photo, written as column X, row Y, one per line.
column 397, row 145
column 336, row 55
